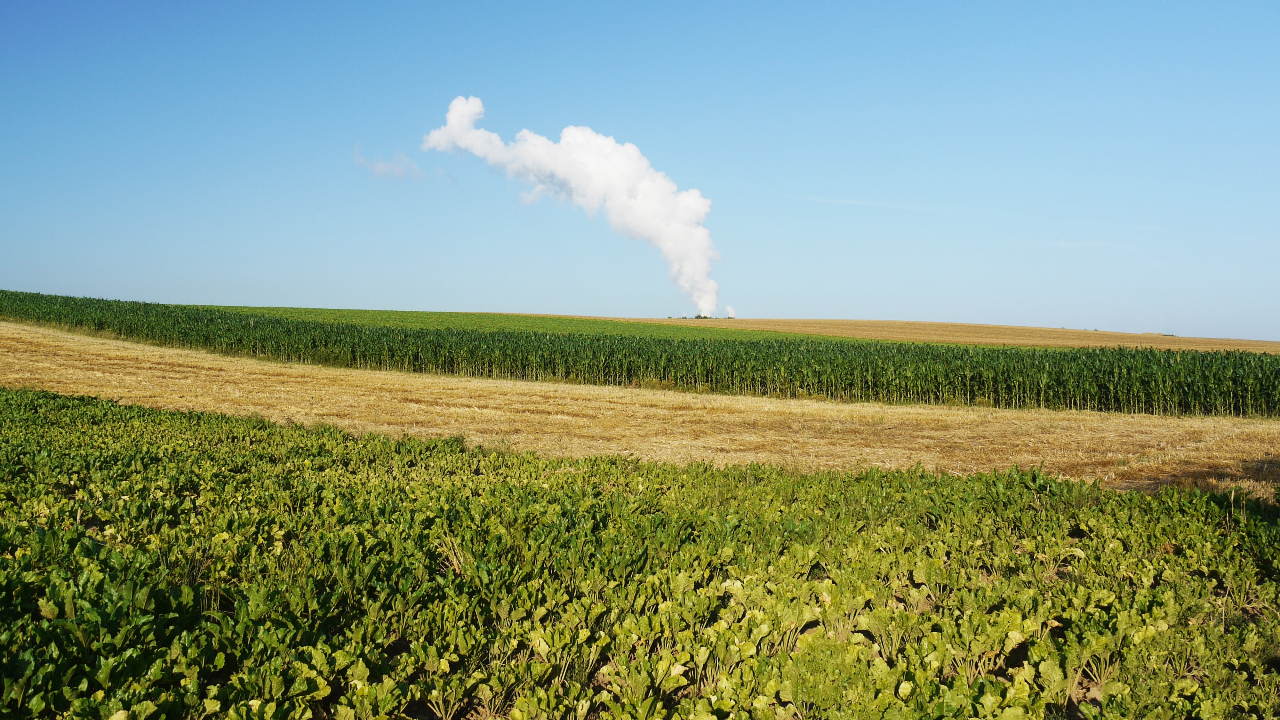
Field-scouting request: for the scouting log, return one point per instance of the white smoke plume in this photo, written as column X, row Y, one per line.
column 595, row 171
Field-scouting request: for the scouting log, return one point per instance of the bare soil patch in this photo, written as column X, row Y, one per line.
column 581, row 420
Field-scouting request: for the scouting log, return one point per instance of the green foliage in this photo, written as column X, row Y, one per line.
column 491, row 322
column 1108, row 379
column 159, row 564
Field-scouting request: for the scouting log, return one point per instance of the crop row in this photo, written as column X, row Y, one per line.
column 158, row 564
column 1107, row 379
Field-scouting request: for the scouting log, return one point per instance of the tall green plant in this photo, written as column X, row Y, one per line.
column 1107, row 379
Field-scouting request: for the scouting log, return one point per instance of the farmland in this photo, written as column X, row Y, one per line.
column 971, row 334
column 761, row 329
column 499, row 322
column 1107, row 379
column 759, row 551
column 567, row 419
column 160, row 563
column 311, row 409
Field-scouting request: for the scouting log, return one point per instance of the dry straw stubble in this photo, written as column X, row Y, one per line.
column 581, row 420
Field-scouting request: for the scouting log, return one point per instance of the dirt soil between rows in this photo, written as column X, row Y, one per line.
column 557, row 419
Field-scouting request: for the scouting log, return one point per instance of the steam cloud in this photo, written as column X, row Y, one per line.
column 595, row 171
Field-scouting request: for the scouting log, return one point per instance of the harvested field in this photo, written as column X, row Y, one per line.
column 580, row 420
column 966, row 334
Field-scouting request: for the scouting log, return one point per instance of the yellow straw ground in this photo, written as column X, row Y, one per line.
column 579, row 420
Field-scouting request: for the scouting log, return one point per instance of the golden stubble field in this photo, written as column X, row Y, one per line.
column 579, row 420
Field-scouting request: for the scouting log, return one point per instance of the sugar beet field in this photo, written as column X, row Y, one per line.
column 158, row 564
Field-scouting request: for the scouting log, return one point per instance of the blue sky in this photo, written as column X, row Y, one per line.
column 1068, row 165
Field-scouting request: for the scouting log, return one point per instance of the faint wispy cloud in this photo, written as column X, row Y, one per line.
column 398, row 167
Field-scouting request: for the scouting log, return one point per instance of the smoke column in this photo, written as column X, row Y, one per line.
column 594, row 171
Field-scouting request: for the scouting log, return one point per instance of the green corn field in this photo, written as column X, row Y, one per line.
column 1106, row 379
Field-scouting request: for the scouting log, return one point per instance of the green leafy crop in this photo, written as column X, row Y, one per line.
column 160, row 564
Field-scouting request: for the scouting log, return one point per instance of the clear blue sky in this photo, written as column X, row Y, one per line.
column 1111, row 166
